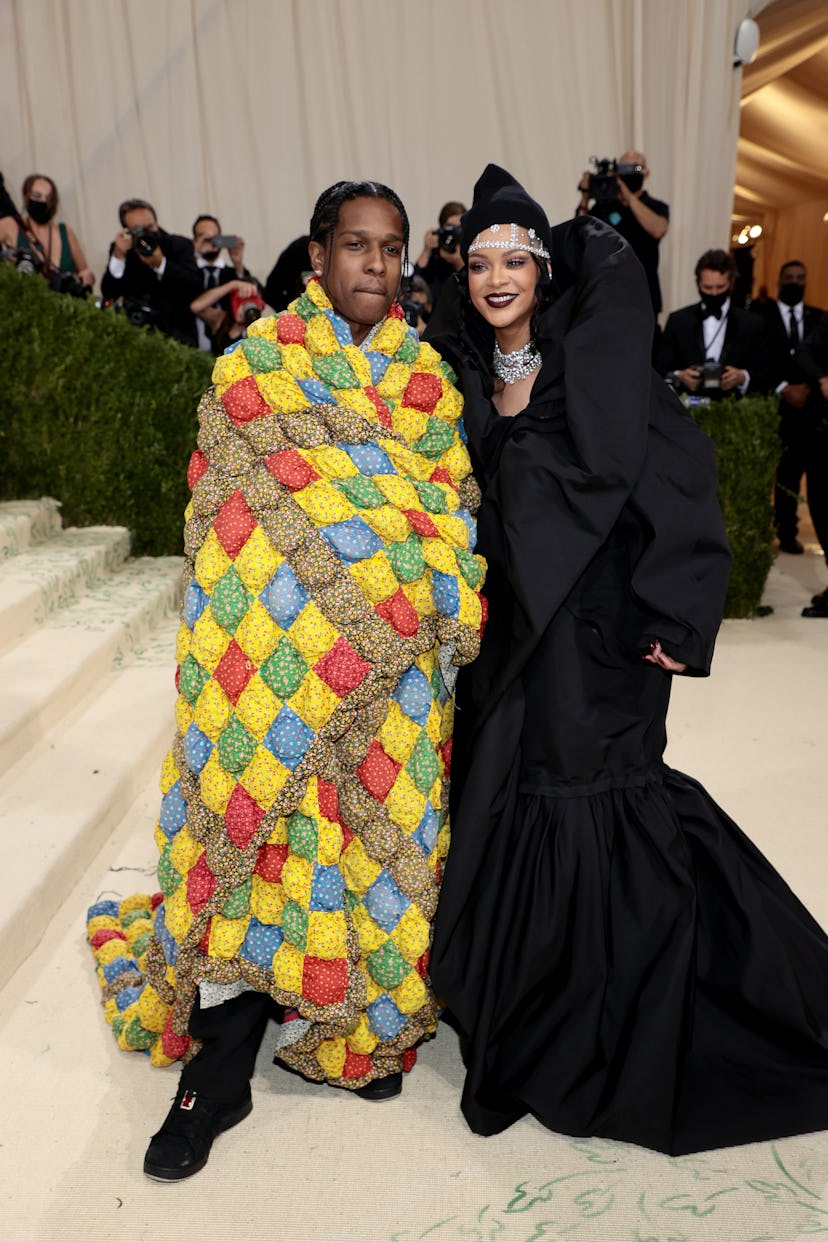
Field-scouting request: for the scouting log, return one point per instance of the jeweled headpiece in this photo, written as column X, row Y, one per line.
column 500, row 200
column 530, row 242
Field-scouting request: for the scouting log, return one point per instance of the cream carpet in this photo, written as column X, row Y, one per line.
column 313, row 1164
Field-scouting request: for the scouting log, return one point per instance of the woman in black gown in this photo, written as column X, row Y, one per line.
column 621, row 959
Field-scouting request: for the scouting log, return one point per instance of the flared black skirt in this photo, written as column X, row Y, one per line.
column 627, row 964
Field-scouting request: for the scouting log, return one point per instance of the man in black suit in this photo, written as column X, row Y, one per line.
column 151, row 268
column 216, row 273
column 711, row 348
column 788, row 320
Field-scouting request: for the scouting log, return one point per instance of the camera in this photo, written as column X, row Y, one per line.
column 448, row 237
column 21, row 260
column 711, row 373
column 603, row 184
column 139, row 314
column 247, row 309
column 145, row 241
column 67, row 282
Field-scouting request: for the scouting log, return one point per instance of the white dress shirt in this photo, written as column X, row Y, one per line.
column 714, row 331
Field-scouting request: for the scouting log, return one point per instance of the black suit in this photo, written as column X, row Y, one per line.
column 795, row 429
column 170, row 295
column 682, row 344
column 812, row 356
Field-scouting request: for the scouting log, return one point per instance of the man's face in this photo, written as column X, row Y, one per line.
column 140, row 218
column 711, row 282
column 203, row 235
column 793, row 274
column 362, row 262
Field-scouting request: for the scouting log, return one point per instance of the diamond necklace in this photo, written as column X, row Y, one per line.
column 517, row 365
column 369, row 340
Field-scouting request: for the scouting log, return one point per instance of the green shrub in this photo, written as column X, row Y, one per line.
column 97, row 413
column 745, row 432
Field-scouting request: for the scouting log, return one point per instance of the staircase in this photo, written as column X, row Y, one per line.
column 87, row 637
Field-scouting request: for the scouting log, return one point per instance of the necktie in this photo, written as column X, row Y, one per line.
column 212, row 276
column 793, row 331
column 711, row 312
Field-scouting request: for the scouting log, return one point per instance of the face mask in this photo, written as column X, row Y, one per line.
column 38, row 211
column 634, row 182
column 210, row 255
column 791, row 293
column 714, row 301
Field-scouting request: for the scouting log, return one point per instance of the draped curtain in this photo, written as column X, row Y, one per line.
column 247, row 108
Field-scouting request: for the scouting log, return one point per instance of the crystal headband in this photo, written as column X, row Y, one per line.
column 534, row 246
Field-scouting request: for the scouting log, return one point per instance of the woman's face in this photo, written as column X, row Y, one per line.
column 361, row 265
column 40, row 191
column 502, row 284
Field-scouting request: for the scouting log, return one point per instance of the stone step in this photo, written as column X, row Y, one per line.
column 41, row 579
column 24, row 523
column 62, row 800
column 55, row 668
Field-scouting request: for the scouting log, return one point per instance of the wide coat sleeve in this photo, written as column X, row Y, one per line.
column 563, row 479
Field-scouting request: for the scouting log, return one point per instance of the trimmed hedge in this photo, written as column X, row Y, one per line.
column 745, row 432
column 97, row 413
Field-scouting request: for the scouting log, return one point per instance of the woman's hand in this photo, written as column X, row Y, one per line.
column 658, row 656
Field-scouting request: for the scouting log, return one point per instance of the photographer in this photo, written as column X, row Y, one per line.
column 208, row 244
column 615, row 194
column 38, row 241
column 788, row 322
column 417, row 302
column 153, row 272
column 711, row 348
column 226, row 311
column 440, row 256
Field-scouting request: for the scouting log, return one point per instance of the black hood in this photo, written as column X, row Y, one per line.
column 499, row 199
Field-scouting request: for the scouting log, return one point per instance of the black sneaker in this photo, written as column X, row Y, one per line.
column 381, row 1088
column 182, row 1145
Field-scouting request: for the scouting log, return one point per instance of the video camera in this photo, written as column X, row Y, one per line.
column 448, row 237
column 603, row 183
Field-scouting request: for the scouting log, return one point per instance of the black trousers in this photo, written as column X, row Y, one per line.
column 231, row 1035
column 796, row 434
column 817, row 473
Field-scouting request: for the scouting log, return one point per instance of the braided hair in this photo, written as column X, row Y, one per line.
column 326, row 212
